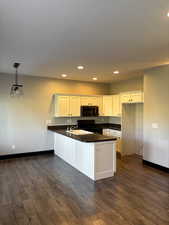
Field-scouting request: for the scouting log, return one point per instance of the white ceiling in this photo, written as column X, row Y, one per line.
column 52, row 37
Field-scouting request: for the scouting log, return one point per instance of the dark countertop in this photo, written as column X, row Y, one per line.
column 84, row 138
column 97, row 125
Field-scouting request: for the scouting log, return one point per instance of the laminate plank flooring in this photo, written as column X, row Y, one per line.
column 44, row 190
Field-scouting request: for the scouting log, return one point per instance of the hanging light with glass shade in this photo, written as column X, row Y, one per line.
column 16, row 89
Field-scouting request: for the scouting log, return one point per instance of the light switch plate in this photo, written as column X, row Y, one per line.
column 155, row 125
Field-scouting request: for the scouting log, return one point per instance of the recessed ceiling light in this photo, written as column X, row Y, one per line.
column 80, row 67
column 94, row 78
column 168, row 14
column 64, row 75
column 116, row 72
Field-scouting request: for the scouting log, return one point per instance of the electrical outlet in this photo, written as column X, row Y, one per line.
column 13, row 146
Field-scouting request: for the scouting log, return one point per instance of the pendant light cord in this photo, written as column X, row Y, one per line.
column 16, row 76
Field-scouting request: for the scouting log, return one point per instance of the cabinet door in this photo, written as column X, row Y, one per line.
column 115, row 133
column 116, row 105
column 84, row 100
column 104, row 160
column 106, row 132
column 137, row 97
column 93, row 101
column 100, row 104
column 125, row 98
column 63, row 106
column 107, row 106
column 74, row 105
column 68, row 146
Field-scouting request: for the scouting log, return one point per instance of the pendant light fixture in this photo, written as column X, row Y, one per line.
column 16, row 89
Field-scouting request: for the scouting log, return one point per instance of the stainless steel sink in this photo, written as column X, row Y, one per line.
column 79, row 132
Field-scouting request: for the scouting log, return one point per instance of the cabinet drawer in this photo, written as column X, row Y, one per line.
column 115, row 133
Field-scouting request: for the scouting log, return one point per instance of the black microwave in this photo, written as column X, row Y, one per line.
column 89, row 111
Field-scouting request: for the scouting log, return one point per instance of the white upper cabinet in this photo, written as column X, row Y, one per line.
column 74, row 105
column 117, row 109
column 132, row 97
column 67, row 106
column 107, row 105
column 90, row 101
column 100, row 104
column 84, row 100
column 111, row 105
column 62, row 106
column 94, row 101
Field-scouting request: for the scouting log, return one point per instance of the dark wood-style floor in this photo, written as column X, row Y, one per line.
column 43, row 190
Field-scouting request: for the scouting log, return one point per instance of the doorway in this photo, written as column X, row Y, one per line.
column 132, row 129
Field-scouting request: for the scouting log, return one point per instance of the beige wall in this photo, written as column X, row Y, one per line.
column 156, row 110
column 127, row 85
column 23, row 120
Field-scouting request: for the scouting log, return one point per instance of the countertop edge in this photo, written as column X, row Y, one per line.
column 82, row 138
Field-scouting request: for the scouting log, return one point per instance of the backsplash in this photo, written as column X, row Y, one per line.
column 73, row 120
column 115, row 120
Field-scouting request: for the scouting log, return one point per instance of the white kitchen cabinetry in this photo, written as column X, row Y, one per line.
column 107, row 105
column 95, row 160
column 74, row 106
column 117, row 109
column 62, row 106
column 111, row 105
column 100, row 104
column 93, row 101
column 67, row 106
column 84, row 100
column 132, row 97
column 115, row 133
column 90, row 101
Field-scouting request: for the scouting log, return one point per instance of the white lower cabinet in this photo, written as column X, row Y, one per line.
column 61, row 145
column 84, row 158
column 95, row 160
column 105, row 159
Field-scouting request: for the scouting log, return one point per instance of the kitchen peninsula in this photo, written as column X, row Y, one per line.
column 92, row 154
